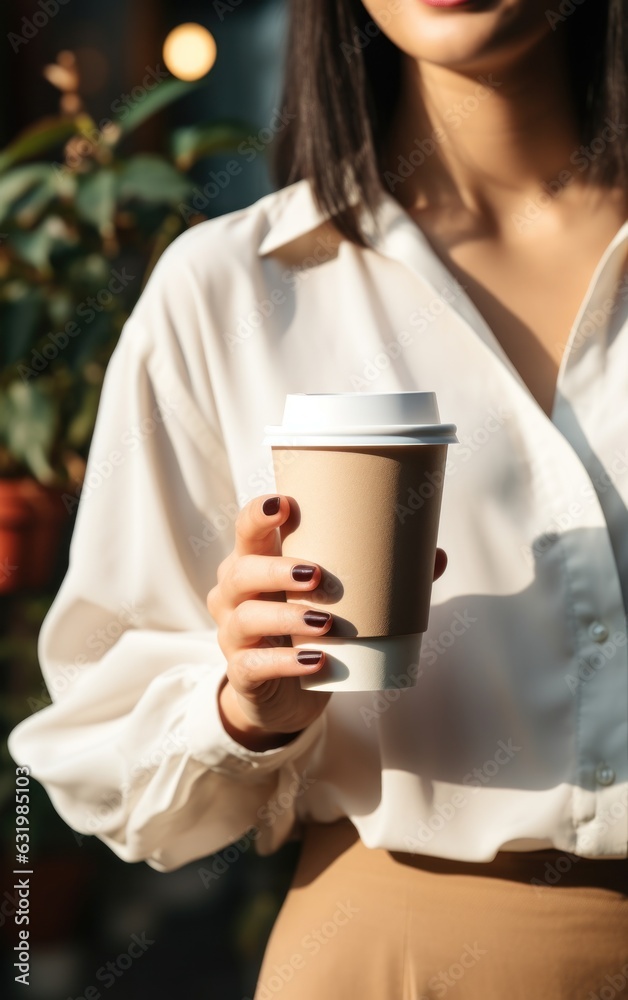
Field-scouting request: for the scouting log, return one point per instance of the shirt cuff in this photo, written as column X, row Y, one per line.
column 210, row 743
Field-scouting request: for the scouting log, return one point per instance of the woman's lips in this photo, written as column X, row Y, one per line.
column 446, row 3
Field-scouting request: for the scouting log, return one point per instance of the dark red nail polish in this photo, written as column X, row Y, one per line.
column 302, row 574
column 316, row 619
column 271, row 506
column 309, row 657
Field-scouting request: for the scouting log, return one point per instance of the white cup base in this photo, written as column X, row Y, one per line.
column 373, row 664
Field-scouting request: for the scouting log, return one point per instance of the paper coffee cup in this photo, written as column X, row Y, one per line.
column 365, row 474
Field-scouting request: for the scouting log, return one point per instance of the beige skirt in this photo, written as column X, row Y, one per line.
column 379, row 925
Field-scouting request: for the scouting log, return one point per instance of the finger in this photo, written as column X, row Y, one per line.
column 254, row 574
column 252, row 620
column 249, row 668
column 256, row 528
column 440, row 563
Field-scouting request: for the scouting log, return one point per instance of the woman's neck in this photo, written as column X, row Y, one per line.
column 481, row 142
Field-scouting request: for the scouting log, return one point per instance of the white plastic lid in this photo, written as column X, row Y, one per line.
column 358, row 418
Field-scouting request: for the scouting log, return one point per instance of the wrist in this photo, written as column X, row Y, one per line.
column 241, row 729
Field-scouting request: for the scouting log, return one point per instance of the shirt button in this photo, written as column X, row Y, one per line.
column 598, row 632
column 604, row 775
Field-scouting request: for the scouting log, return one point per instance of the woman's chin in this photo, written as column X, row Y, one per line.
column 469, row 35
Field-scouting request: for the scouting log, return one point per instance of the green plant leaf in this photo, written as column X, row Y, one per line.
column 96, row 198
column 28, row 426
column 165, row 93
column 60, row 304
column 31, row 207
column 27, row 191
column 82, row 424
column 193, row 142
column 20, row 318
column 18, row 182
column 96, row 333
column 89, row 271
column 43, row 135
column 152, row 179
column 35, row 246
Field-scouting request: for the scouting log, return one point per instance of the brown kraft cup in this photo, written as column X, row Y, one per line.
column 365, row 488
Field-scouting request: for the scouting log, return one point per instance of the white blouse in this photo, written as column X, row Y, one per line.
column 515, row 736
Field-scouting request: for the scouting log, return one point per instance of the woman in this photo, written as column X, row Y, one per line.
column 453, row 220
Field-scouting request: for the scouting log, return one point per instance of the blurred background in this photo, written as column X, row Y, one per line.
column 121, row 125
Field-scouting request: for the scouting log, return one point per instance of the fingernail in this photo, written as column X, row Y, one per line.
column 302, row 573
column 271, row 506
column 316, row 619
column 309, row 657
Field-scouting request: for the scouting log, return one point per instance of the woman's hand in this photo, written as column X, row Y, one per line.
column 262, row 704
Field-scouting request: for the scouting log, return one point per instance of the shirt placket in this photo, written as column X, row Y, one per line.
column 592, row 587
column 599, row 675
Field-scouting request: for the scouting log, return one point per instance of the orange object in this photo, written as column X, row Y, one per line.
column 32, row 522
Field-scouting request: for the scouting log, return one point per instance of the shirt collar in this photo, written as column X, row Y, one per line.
column 293, row 213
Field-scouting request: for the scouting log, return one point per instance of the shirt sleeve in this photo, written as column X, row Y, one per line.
column 132, row 748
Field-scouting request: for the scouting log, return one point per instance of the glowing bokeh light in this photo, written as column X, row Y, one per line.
column 189, row 51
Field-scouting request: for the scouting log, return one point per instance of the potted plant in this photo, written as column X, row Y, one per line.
column 78, row 238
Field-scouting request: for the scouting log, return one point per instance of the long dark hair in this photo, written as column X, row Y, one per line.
column 343, row 80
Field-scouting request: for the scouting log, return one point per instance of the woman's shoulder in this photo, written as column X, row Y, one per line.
column 207, row 273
